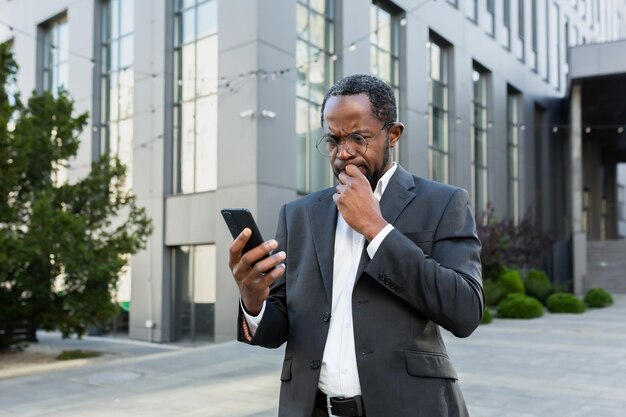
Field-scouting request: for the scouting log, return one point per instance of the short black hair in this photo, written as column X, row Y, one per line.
column 382, row 99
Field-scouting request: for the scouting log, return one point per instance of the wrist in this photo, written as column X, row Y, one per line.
column 251, row 308
column 374, row 229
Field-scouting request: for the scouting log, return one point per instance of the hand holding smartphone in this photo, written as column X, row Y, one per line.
column 238, row 219
column 252, row 283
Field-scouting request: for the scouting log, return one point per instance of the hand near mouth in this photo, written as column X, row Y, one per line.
column 356, row 202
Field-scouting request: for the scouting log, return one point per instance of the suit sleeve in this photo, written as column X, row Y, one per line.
column 446, row 286
column 274, row 326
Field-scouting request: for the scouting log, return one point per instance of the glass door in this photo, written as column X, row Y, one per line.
column 194, row 293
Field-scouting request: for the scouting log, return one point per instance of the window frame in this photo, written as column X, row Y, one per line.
column 395, row 14
column 443, row 152
column 514, row 117
column 112, row 114
column 187, row 94
column 307, row 105
column 479, row 135
column 49, row 66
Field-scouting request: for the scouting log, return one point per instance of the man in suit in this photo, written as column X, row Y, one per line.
column 362, row 275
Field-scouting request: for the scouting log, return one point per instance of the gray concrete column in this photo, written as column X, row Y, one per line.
column 579, row 236
column 150, row 291
column 256, row 129
column 414, row 142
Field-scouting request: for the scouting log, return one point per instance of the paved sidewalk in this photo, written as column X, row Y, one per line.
column 558, row 365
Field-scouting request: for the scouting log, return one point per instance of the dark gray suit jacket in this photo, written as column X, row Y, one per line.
column 425, row 274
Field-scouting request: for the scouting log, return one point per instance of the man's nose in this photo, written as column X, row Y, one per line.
column 343, row 151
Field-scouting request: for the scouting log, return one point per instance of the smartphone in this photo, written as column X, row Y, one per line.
column 238, row 219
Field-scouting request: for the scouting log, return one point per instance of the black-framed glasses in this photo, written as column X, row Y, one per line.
column 353, row 143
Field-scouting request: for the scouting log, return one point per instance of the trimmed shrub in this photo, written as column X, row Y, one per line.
column 508, row 282
column 487, row 316
column 598, row 298
column 511, row 282
column 493, row 293
column 563, row 302
column 519, row 306
column 493, row 272
column 538, row 285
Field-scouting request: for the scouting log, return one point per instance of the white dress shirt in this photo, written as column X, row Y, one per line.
column 339, row 375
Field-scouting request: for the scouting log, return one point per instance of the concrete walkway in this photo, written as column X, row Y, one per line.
column 558, row 365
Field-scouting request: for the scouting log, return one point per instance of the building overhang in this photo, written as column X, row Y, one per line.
column 600, row 70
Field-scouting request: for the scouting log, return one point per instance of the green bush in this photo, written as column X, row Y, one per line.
column 598, row 298
column 538, row 285
column 508, row 282
column 493, row 293
column 493, row 272
column 519, row 306
column 511, row 281
column 562, row 302
column 487, row 316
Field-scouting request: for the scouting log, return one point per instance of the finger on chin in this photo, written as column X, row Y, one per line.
column 354, row 171
column 351, row 170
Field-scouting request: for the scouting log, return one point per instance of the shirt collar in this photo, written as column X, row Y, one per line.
column 384, row 181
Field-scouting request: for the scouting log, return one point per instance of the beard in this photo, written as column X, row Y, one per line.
column 378, row 173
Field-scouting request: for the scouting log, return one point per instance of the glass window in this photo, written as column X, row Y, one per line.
column 315, row 60
column 438, row 110
column 566, row 35
column 518, row 41
column 513, row 129
column 533, row 35
column 194, row 292
column 117, row 89
column 117, row 81
column 555, row 49
column 583, row 9
column 479, row 137
column 55, row 73
column 385, row 46
column 195, row 108
column 55, row 55
column 385, row 49
column 472, row 10
column 506, row 22
column 490, row 17
column 521, row 30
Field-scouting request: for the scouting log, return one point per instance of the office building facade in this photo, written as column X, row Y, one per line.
column 215, row 103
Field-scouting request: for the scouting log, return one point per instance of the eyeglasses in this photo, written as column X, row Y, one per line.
column 354, row 143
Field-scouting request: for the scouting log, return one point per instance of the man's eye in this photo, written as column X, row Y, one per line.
column 330, row 141
column 357, row 139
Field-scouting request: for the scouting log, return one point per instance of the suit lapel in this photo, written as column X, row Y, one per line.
column 323, row 215
column 396, row 197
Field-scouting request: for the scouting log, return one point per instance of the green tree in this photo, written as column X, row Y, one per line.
column 62, row 244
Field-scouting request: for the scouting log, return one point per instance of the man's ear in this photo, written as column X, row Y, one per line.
column 395, row 132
